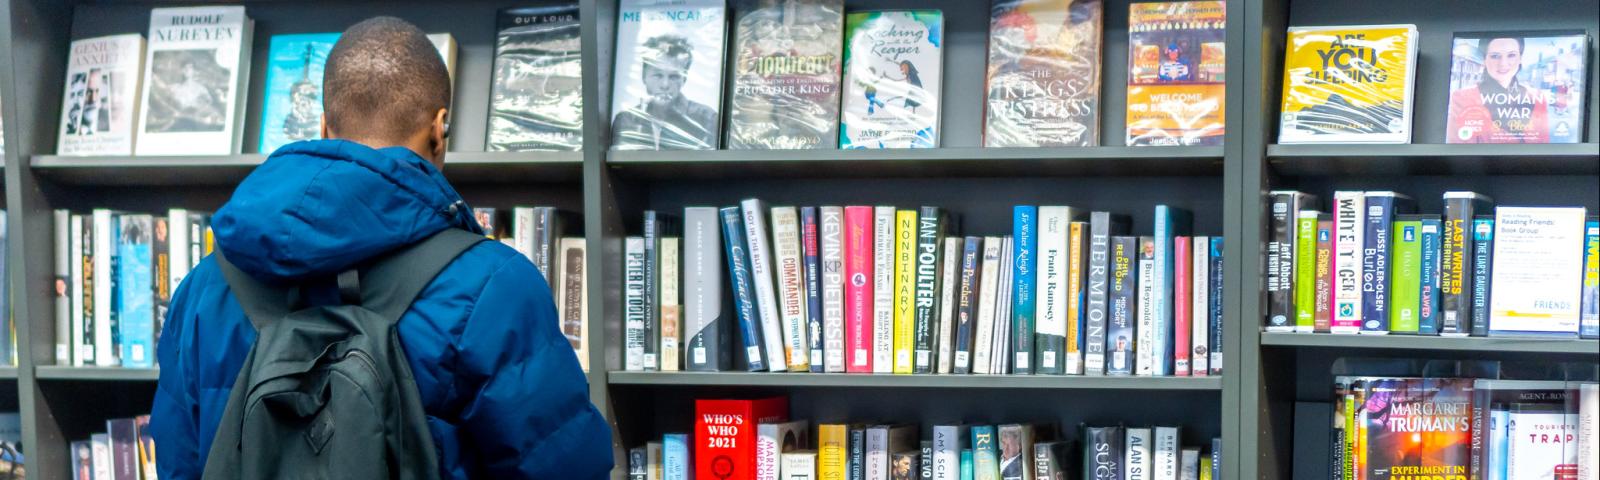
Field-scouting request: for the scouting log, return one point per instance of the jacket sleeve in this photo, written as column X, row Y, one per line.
column 525, row 410
column 174, row 413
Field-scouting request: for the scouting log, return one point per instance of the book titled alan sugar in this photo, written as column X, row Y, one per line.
column 196, row 69
column 102, row 96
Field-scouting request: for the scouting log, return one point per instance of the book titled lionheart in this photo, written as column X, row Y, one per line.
column 788, row 56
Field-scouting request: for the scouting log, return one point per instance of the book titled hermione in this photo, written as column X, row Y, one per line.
column 196, row 68
column 893, row 69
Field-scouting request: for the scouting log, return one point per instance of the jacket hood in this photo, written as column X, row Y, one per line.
column 316, row 208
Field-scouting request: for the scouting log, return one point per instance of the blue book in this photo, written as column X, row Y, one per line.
column 291, row 108
column 1170, row 222
column 967, row 302
column 1428, row 299
column 1375, row 258
column 1482, row 263
column 1121, row 308
column 858, row 453
column 1589, row 316
column 1216, row 306
column 985, row 453
column 675, row 462
column 135, row 304
column 1024, row 230
column 743, row 287
column 966, row 464
column 811, row 254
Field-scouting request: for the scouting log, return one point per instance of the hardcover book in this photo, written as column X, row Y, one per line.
column 761, row 274
column 1024, row 251
column 773, row 440
column 292, row 103
column 1215, row 296
column 1428, row 293
column 925, row 302
column 1405, row 279
column 1305, row 271
column 1517, row 87
column 1483, row 233
column 786, row 67
column 1051, row 308
column 893, row 71
column 949, row 296
column 1280, row 258
column 834, row 279
column 1378, row 239
column 1102, row 226
column 725, row 434
column 134, row 271
column 1103, row 449
column 883, row 250
column 667, row 91
column 1349, row 220
column 1176, row 73
column 1417, row 428
column 1044, row 74
column 1182, row 304
column 1170, row 222
column 987, row 306
column 197, row 65
column 791, row 292
column 859, row 294
column 706, row 319
column 1077, row 305
column 1144, row 345
column 1016, row 452
column 634, row 304
column 1536, row 288
column 743, row 290
column 969, row 308
column 1136, row 455
column 1122, row 305
column 1455, row 261
column 102, row 96
column 574, row 293
column 1200, row 315
column 1589, row 319
column 536, row 98
column 985, row 455
column 811, row 261
column 905, row 284
column 1350, row 84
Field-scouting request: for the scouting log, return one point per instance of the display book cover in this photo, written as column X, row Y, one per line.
column 1417, row 428
column 787, row 61
column 1536, row 289
column 1348, row 84
column 102, row 96
column 725, row 434
column 667, row 89
column 1528, row 429
column 292, row 105
column 1176, row 73
column 893, row 79
column 1517, row 87
column 1043, row 74
column 536, row 97
column 196, row 67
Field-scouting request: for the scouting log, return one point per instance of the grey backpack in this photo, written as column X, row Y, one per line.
column 327, row 392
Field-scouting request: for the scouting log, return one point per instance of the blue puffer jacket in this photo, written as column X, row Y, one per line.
column 502, row 388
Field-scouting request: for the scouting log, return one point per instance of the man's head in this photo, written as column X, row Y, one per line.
column 384, row 85
column 666, row 67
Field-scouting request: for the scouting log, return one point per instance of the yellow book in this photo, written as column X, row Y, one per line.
column 832, row 454
column 1205, row 467
column 1076, row 234
column 1348, row 84
column 905, row 285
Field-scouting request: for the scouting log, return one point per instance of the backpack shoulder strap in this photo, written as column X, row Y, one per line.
column 389, row 286
column 262, row 303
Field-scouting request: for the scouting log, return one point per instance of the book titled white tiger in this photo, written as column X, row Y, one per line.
column 102, row 96
column 197, row 66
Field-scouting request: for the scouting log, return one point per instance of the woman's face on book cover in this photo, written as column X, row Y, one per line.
column 1501, row 59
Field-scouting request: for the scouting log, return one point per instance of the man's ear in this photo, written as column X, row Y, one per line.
column 326, row 134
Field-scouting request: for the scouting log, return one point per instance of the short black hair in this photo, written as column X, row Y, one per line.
column 383, row 79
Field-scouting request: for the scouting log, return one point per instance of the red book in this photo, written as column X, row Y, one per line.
column 1182, row 303
column 725, row 435
column 858, row 289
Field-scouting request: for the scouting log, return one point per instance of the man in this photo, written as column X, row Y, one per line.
column 665, row 119
column 501, row 386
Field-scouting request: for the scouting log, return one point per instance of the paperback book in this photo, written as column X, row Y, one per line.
column 787, row 61
column 1044, row 74
column 102, row 97
column 197, row 65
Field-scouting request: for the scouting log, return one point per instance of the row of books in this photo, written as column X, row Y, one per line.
column 540, row 233
column 1371, row 266
column 863, row 289
column 125, row 451
column 1464, row 428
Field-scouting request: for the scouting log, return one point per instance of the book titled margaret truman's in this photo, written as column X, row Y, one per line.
column 1044, row 74
column 1176, row 66
column 667, row 90
column 1517, row 87
column 1417, row 428
column 197, row 64
column 536, row 98
column 1348, row 84
column 292, row 109
column 102, row 96
column 893, row 71
column 787, row 58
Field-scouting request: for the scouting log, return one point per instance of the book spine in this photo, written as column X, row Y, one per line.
column 1094, row 349
column 1216, row 305
column 1051, row 309
column 1589, row 321
column 1482, row 263
column 652, row 282
column 743, row 289
column 1136, row 454
column 86, row 295
column 967, row 311
column 1120, row 334
column 575, row 292
column 767, row 451
column 1000, row 347
column 1170, row 223
column 1455, row 267
column 1322, row 317
column 135, row 311
column 883, row 289
column 1199, row 317
column 947, row 443
column 1305, row 272
column 1428, row 294
column 1279, row 250
column 671, row 273
column 705, row 314
column 966, row 464
column 633, row 279
column 1164, row 453
column 789, row 267
column 858, row 454
column 761, row 274
column 810, row 247
column 1375, row 260
column 1189, row 464
column 833, row 275
column 1144, row 311
column 1182, row 304
column 1348, row 209
column 949, row 284
column 930, row 239
column 905, row 287
column 859, row 296
column 1024, row 226
column 77, row 341
column 61, row 226
column 1103, row 453
column 1044, row 461
column 1588, row 431
column 1216, row 457
column 1077, row 256
column 1405, row 278
column 985, row 454
column 877, row 461
column 924, row 461
column 833, row 451
column 675, row 456
column 105, row 258
column 989, row 280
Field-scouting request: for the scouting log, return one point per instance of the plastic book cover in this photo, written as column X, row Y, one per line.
column 787, row 60
column 1517, row 87
column 1418, row 428
column 135, row 308
column 1176, row 65
column 1044, row 73
column 893, row 70
column 536, row 98
column 667, row 90
column 102, row 96
column 1348, row 84
column 292, row 107
column 196, row 62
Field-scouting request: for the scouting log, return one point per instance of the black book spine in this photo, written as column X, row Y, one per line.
column 652, row 305
column 1102, row 454
column 926, row 461
column 1281, row 233
column 1482, row 264
column 930, row 240
column 967, row 306
column 858, row 454
column 1121, row 306
column 811, row 253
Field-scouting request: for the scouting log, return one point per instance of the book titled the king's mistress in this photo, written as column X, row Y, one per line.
column 893, row 71
column 787, row 58
column 536, row 99
column 1044, row 74
column 102, row 98
column 667, row 89
column 196, row 68
column 292, row 109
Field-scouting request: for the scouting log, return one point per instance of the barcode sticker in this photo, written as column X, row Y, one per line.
column 700, row 355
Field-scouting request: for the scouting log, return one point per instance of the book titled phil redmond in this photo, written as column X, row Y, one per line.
column 102, row 98
column 197, row 65
column 667, row 91
column 893, row 72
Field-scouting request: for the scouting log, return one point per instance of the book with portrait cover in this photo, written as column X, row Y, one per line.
column 1517, row 87
column 536, row 98
column 196, row 67
column 893, row 72
column 1349, row 84
column 667, row 90
column 1417, row 428
column 1044, row 74
column 102, row 97
column 1176, row 65
column 292, row 104
column 787, row 59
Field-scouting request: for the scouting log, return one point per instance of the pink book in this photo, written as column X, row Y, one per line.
column 1182, row 306
column 858, row 289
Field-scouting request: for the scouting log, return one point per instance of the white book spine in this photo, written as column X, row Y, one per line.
column 767, row 451
column 633, row 279
column 1349, row 226
column 882, row 289
column 104, row 253
column 522, row 237
column 799, row 466
column 1136, row 464
column 1589, row 431
column 832, row 245
column 1200, row 313
column 1050, row 312
column 63, row 270
column 671, row 305
column 877, row 453
column 790, row 270
column 1189, row 468
column 75, row 285
column 988, row 285
column 1145, row 350
column 947, row 443
column 951, row 273
column 1165, row 459
column 177, row 247
column 1001, row 350
column 760, row 251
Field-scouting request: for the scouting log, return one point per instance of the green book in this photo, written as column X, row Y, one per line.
column 1305, row 271
column 966, row 464
column 985, row 453
column 1405, row 276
